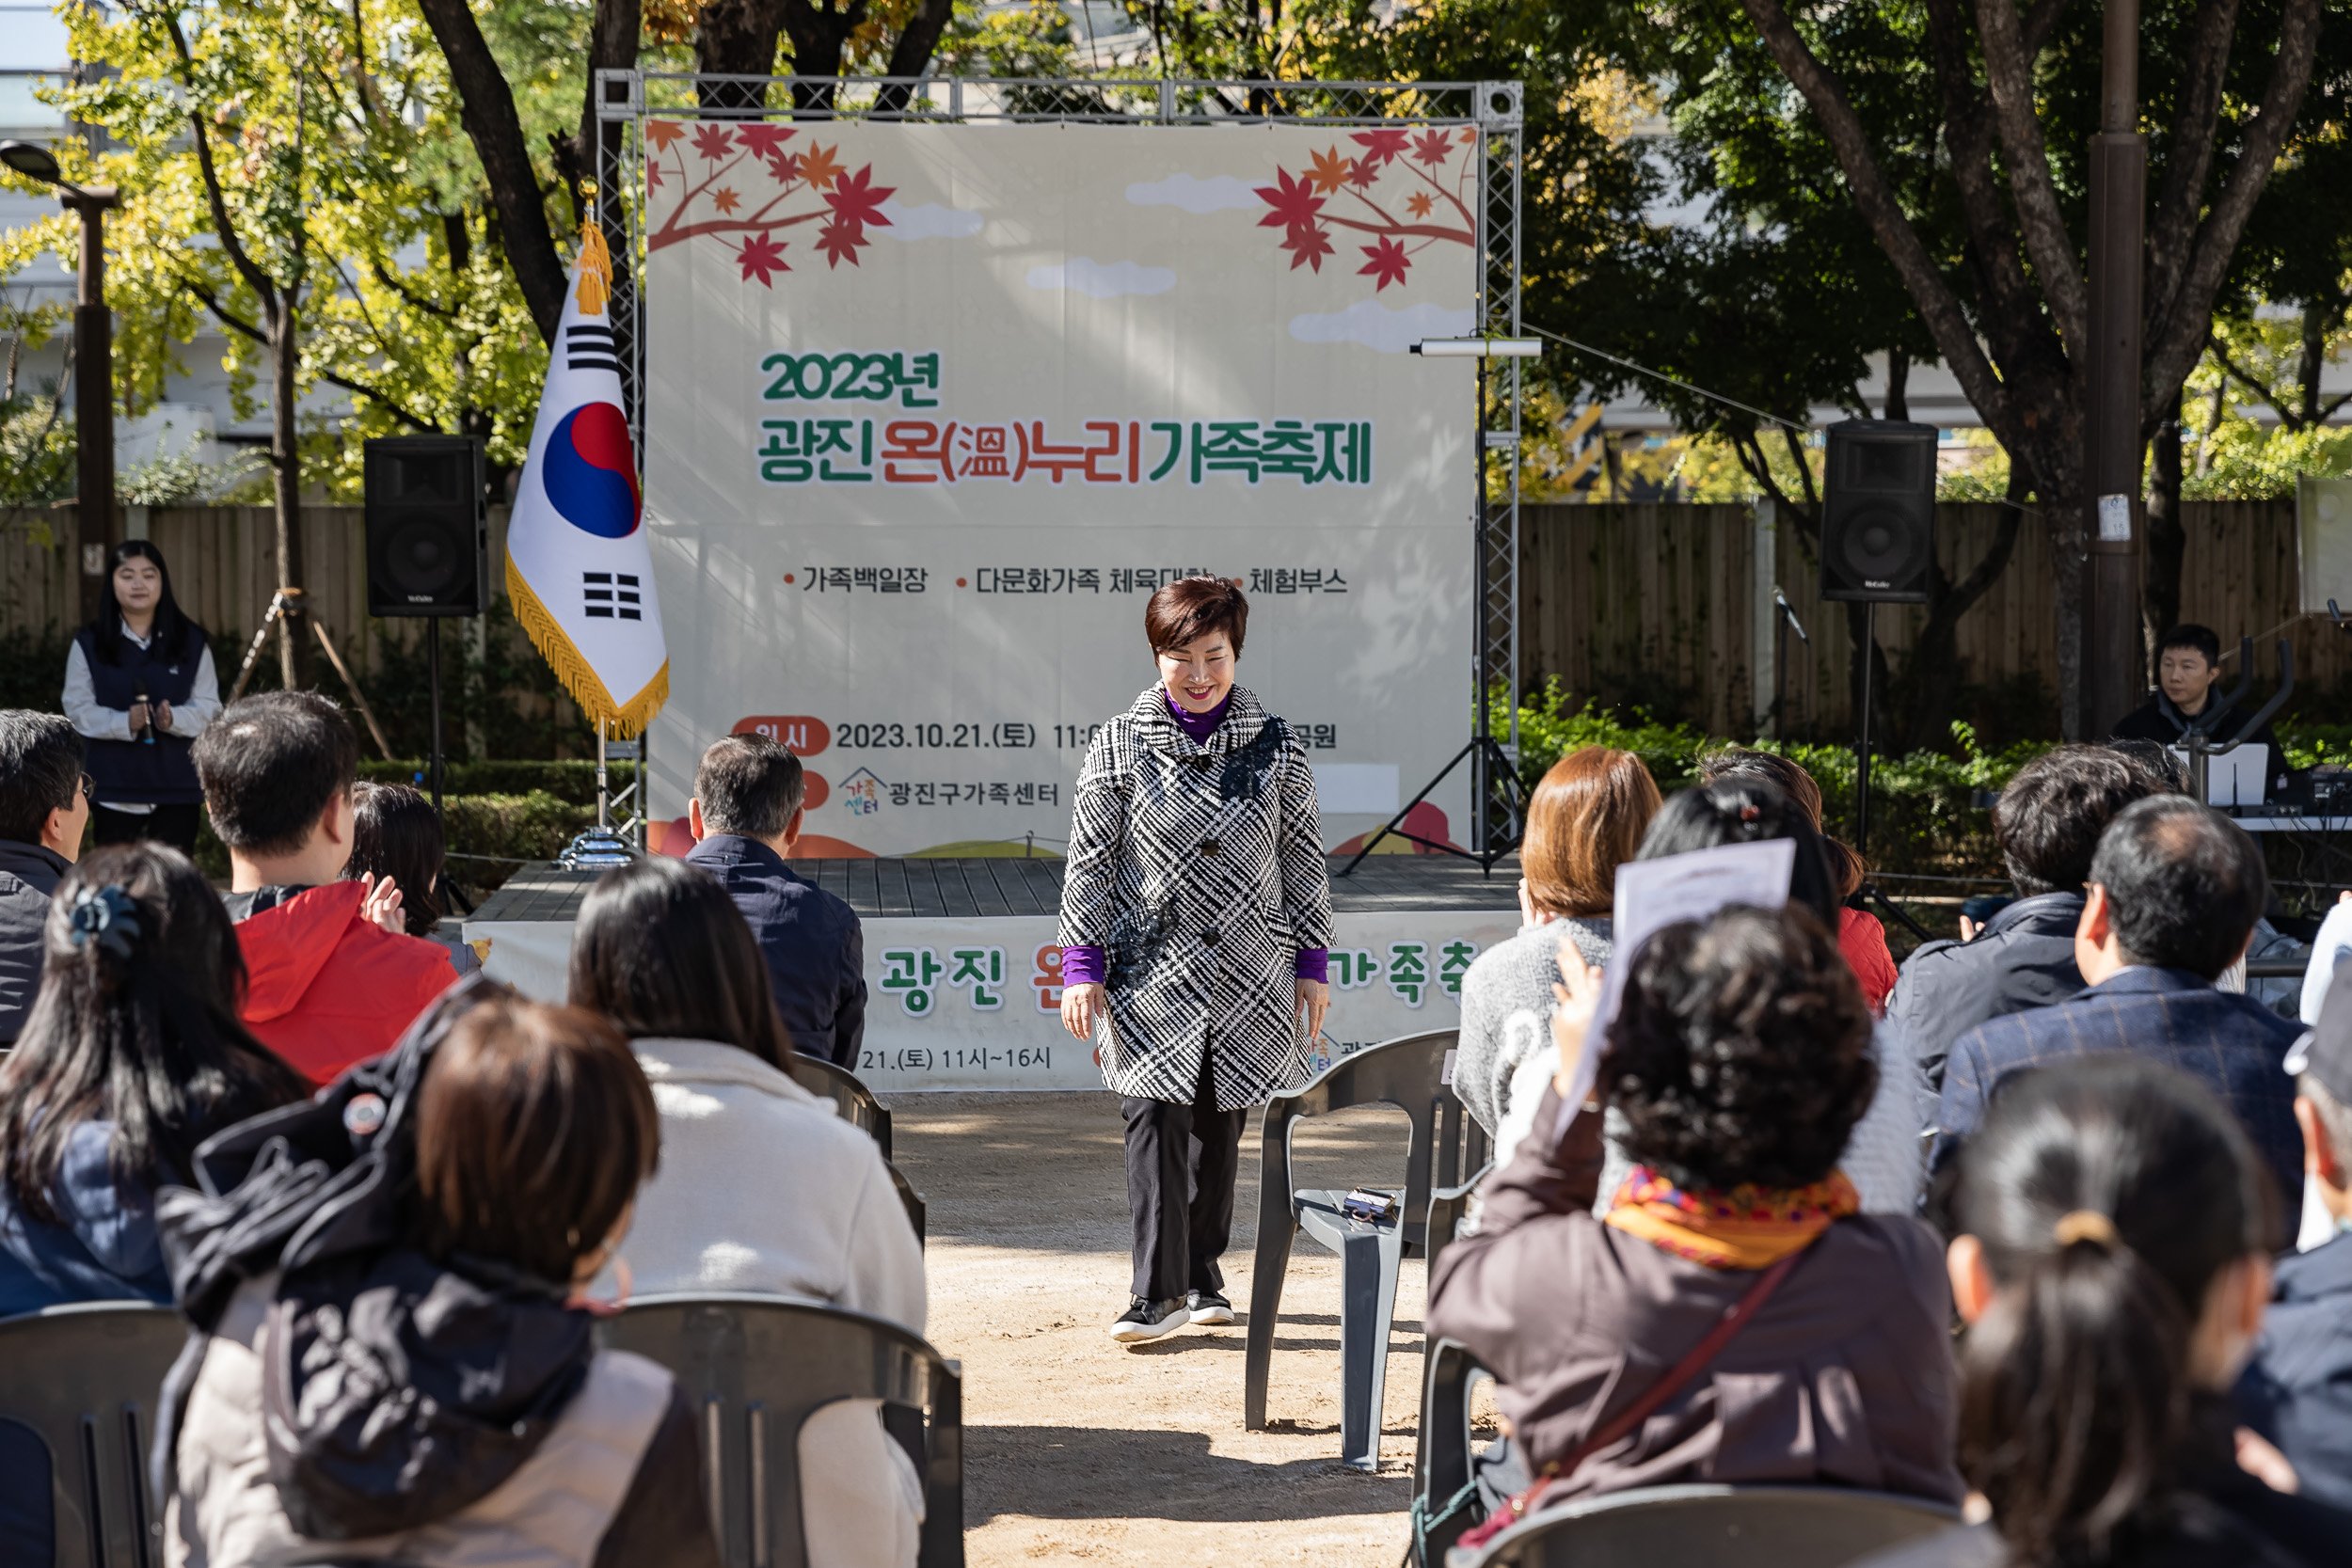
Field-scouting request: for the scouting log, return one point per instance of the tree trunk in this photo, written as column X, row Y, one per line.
column 818, row 34
column 487, row 107
column 1921, row 704
column 2061, row 513
column 2167, row 542
column 2314, row 360
column 912, row 55
column 285, row 455
column 737, row 38
column 1898, row 383
column 613, row 34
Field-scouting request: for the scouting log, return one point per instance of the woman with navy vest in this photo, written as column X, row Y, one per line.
column 139, row 686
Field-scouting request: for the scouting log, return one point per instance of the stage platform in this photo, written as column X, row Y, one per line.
column 963, row 966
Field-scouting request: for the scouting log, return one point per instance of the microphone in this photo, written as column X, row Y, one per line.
column 139, row 698
column 1794, row 625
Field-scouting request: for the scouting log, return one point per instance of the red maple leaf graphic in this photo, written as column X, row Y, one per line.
column 841, row 241
column 1294, row 203
column 1389, row 262
column 725, row 200
column 764, row 140
column 762, row 258
column 1432, row 147
column 857, row 200
column 1361, row 174
column 713, row 143
column 1381, row 146
column 661, row 132
column 1310, row 244
column 653, row 171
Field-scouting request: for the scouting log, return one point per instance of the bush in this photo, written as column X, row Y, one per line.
column 573, row 782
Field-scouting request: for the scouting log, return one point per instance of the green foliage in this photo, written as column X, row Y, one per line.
column 1922, row 818
column 37, row 452
column 573, row 784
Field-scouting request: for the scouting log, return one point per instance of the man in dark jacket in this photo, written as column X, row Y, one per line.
column 335, row 976
column 2175, row 890
column 2047, row 823
column 749, row 802
column 43, row 809
column 2298, row 1390
column 2188, row 663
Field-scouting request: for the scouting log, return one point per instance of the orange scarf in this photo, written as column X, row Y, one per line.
column 1747, row 1227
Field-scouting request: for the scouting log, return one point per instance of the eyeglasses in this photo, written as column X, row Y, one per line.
column 89, row 789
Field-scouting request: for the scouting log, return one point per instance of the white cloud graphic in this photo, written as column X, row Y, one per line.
column 1102, row 280
column 1377, row 327
column 928, row 222
column 1195, row 196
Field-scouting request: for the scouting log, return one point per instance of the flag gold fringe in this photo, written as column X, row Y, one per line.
column 623, row 719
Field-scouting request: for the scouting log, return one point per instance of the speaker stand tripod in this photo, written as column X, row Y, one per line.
column 280, row 603
column 1492, row 757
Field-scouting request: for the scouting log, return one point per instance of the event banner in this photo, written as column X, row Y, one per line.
column 932, row 410
column 977, row 1004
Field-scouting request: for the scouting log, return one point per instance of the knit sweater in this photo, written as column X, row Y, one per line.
column 1507, row 1023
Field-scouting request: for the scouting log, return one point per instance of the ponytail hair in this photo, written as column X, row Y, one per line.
column 2108, row 1193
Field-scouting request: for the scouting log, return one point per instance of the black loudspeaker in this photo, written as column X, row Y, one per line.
column 428, row 526
column 1878, row 511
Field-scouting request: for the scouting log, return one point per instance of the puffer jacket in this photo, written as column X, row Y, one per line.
column 344, row 1398
column 29, row 873
column 102, row 1247
column 330, row 987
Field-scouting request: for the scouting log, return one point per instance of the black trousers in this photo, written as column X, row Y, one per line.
column 172, row 825
column 1182, row 1161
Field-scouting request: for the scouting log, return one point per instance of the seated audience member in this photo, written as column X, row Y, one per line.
column 396, row 841
column 2297, row 1392
column 132, row 1056
column 1861, row 935
column 1741, row 1057
column 1586, row 817
column 438, row 1400
column 2188, row 663
column 746, row 816
column 43, row 809
column 1882, row 1156
column 2160, row 763
column 335, row 978
column 2174, row 891
column 2047, row 824
column 762, row 1187
column 2112, row 1264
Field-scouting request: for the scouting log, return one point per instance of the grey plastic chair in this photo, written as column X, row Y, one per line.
column 851, row 1099
column 1702, row 1527
column 1442, row 1455
column 77, row 1410
column 855, row 1105
column 1407, row 1074
column 755, row 1368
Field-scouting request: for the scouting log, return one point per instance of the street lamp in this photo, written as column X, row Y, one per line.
column 99, row 525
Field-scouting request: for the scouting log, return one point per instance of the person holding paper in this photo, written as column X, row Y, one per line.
column 1740, row 1059
column 1196, row 920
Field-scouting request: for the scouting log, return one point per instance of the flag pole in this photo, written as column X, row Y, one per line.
column 604, row 818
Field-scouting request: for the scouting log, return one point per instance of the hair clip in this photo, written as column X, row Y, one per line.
column 2086, row 1225
column 1749, row 813
column 107, row 915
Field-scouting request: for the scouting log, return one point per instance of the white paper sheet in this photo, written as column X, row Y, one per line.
column 1652, row 894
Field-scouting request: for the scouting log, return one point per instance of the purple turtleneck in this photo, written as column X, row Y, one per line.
column 1082, row 966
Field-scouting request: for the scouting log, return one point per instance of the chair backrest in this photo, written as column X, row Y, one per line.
column 78, row 1387
column 1441, row 1452
column 851, row 1099
column 1408, row 1072
column 1756, row 1526
column 755, row 1368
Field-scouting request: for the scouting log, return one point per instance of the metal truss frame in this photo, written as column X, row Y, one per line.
column 624, row 99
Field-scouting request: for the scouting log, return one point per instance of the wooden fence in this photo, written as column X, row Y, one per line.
column 1661, row 605
column 1653, row 604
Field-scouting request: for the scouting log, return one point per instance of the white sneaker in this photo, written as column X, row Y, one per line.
column 1209, row 1308
column 1147, row 1319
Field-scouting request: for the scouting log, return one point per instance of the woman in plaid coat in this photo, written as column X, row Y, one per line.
column 1196, row 916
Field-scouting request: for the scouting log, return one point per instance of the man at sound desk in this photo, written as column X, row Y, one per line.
column 2189, row 662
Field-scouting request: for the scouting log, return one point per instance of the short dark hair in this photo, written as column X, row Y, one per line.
column 140, row 1031
column 270, row 765
column 2162, row 768
column 40, row 768
column 1746, row 808
column 1742, row 1051
column 749, row 784
column 2188, row 634
column 396, row 836
column 1192, row 608
column 660, row 949
column 2185, row 884
column 534, row 1129
column 2048, row 820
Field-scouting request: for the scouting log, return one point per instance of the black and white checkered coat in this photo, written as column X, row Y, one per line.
column 1198, row 867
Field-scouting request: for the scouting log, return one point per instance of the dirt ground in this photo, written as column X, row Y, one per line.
column 1078, row 1448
